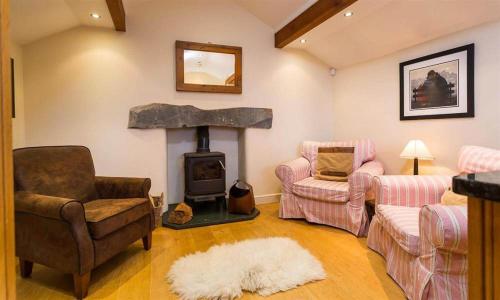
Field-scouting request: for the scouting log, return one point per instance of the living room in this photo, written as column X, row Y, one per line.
column 217, row 149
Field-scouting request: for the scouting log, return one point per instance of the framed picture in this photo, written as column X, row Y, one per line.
column 438, row 86
column 13, row 90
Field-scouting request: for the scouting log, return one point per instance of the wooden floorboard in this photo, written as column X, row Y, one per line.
column 354, row 271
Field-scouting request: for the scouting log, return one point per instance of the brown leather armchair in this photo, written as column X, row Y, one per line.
column 69, row 219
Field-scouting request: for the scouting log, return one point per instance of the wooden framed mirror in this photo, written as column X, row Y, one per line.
column 208, row 68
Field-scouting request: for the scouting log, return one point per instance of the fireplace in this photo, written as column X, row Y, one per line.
column 204, row 171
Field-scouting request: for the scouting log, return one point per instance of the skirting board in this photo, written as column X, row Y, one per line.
column 267, row 198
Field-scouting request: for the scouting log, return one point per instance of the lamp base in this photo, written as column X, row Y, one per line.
column 415, row 166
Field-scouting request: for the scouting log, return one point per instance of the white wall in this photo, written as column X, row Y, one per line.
column 366, row 104
column 80, row 84
column 18, row 123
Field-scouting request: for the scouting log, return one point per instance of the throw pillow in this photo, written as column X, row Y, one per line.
column 450, row 198
column 334, row 163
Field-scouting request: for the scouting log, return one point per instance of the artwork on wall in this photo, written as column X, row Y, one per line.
column 438, row 86
column 13, row 90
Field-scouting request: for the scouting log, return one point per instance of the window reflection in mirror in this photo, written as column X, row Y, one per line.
column 202, row 67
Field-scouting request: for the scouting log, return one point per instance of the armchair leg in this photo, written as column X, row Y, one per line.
column 81, row 284
column 25, row 267
column 146, row 241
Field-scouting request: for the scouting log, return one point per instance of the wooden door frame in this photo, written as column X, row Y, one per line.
column 7, row 246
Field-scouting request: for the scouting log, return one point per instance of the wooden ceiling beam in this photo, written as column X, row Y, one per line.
column 319, row 12
column 117, row 14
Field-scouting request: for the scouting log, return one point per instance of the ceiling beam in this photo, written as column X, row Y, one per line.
column 316, row 14
column 117, row 14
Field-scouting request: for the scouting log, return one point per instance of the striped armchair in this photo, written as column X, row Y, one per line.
column 425, row 243
column 338, row 204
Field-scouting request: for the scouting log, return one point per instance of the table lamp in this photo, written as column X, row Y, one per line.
column 416, row 149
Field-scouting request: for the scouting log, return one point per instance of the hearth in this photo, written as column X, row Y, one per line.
column 204, row 171
column 205, row 187
column 205, row 174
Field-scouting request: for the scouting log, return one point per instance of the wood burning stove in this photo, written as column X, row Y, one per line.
column 204, row 171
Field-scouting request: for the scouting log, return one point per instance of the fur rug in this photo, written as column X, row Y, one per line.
column 265, row 266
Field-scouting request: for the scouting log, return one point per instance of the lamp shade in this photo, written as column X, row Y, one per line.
column 416, row 149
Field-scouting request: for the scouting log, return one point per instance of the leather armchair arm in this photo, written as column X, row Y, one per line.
column 48, row 206
column 53, row 231
column 122, row 187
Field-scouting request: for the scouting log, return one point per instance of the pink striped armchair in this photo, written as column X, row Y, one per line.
column 425, row 243
column 338, row 204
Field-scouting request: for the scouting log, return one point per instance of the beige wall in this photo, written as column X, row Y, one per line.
column 366, row 104
column 18, row 123
column 80, row 84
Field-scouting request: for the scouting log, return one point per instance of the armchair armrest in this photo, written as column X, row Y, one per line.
column 122, row 187
column 411, row 191
column 63, row 209
column 53, row 231
column 293, row 171
column 443, row 227
column 361, row 181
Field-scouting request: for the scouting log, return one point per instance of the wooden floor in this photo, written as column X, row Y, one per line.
column 354, row 271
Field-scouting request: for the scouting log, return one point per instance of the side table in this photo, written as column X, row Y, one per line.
column 370, row 208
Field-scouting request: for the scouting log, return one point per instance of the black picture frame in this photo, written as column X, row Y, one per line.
column 470, row 84
column 13, row 88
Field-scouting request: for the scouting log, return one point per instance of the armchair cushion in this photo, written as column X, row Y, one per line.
column 105, row 216
column 325, row 190
column 401, row 223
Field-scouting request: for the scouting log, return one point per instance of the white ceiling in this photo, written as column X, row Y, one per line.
column 34, row 19
column 381, row 27
column 377, row 28
column 275, row 13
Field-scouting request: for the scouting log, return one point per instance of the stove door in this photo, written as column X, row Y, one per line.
column 205, row 175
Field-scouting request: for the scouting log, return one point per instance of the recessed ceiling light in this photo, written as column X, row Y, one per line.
column 348, row 14
column 303, row 41
column 95, row 15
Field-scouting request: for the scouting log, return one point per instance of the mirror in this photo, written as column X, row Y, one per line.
column 208, row 68
column 201, row 67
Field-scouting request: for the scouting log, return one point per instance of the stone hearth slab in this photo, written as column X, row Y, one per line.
column 161, row 115
column 208, row 213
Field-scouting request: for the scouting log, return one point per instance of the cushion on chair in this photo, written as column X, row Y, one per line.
column 332, row 191
column 364, row 151
column 334, row 163
column 401, row 222
column 107, row 215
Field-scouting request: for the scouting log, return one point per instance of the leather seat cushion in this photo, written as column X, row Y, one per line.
column 324, row 190
column 105, row 216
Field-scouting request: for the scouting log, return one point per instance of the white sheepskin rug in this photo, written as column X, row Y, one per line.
column 265, row 266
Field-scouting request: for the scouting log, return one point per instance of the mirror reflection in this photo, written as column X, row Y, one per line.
column 209, row 68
